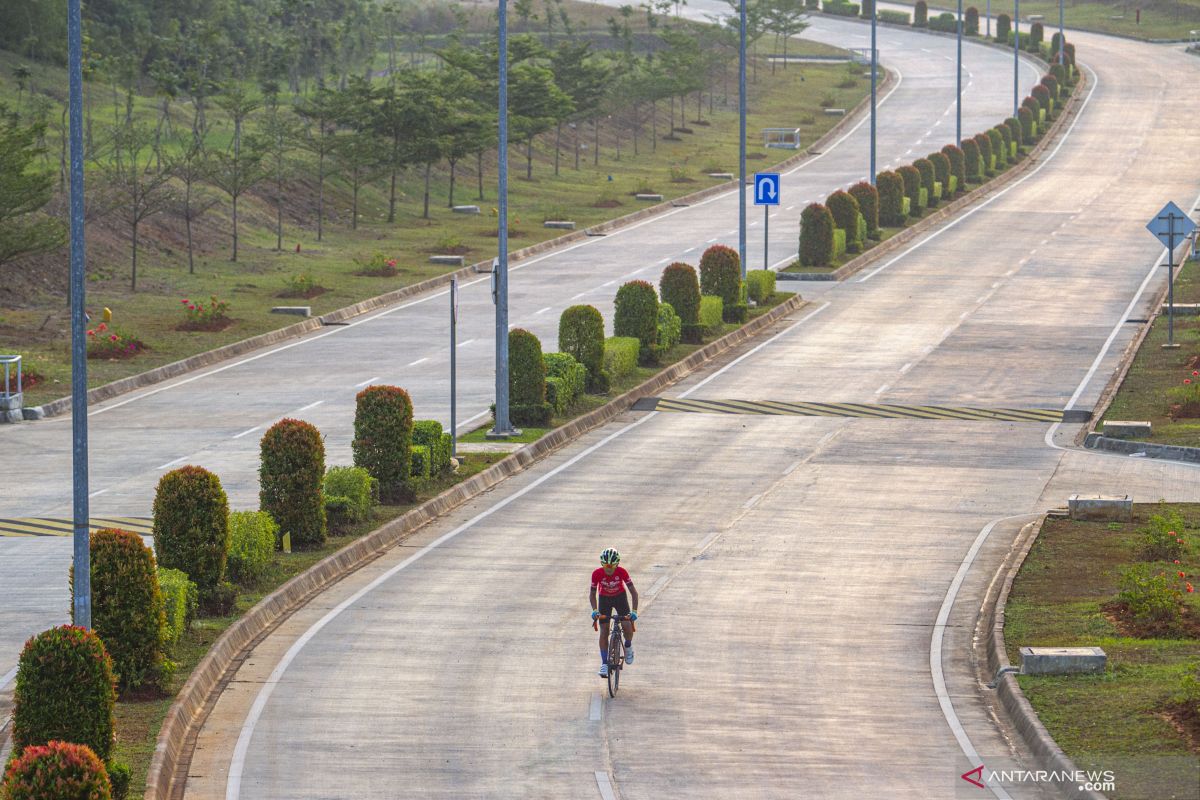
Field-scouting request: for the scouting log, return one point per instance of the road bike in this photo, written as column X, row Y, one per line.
column 616, row 649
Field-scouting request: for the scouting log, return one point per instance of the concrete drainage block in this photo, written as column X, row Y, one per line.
column 33, row 413
column 1101, row 508
column 465, row 209
column 835, row 112
column 455, row 260
column 657, row 198
column 298, row 311
column 1125, row 429
column 722, row 176
column 561, row 224
column 1063, row 661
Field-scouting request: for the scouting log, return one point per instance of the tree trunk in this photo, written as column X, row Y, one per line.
column 452, row 163
column 671, row 132
column 529, row 158
column 654, row 126
column 62, row 155
column 187, row 220
column 428, row 170
column 320, row 194
column 785, row 41
column 235, row 242
column 354, row 202
column 773, row 60
column 278, row 214
column 596, row 131
column 479, row 171
column 637, row 123
column 575, row 136
column 557, row 146
column 133, row 229
column 392, row 198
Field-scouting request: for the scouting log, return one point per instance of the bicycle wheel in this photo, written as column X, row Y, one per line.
column 616, row 658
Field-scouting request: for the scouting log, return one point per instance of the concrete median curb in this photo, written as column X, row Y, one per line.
column 1011, row 701
column 172, row 752
column 339, row 316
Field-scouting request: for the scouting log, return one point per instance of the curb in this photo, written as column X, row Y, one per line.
column 981, row 192
column 1012, row 700
column 1167, row 452
column 176, row 738
column 176, row 368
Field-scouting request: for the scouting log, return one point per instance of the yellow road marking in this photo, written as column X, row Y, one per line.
column 858, row 410
column 56, row 526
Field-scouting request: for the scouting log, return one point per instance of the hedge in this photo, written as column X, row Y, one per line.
column 1058, row 71
column 984, row 145
column 920, row 20
column 1042, row 95
column 721, row 275
column 924, row 168
column 527, row 380
column 581, row 335
column 1037, row 34
column 941, row 170
column 840, row 8
column 844, row 209
column 383, row 421
column 867, row 8
column 1003, row 28
column 680, row 287
column 1026, row 120
column 293, row 467
column 971, row 21
column 971, row 161
column 65, row 691
column 57, row 771
column 957, row 165
column 839, row 242
column 350, row 495
column 999, row 151
column 868, row 204
column 1051, row 84
column 252, row 537
column 670, row 327
column 944, row 22
column 191, row 527
column 1014, row 129
column 565, row 380
column 621, row 353
column 180, row 601
column 711, row 313
column 891, row 198
column 911, row 177
column 816, row 236
column 127, row 609
column 422, row 462
column 429, row 432
column 760, row 285
column 895, row 17
column 636, row 314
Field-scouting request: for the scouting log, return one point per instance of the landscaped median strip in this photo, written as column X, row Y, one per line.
column 197, row 697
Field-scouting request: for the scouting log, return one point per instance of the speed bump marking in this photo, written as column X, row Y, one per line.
column 56, row 526
column 854, row 410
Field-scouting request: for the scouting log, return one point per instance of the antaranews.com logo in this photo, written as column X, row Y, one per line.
column 1086, row 780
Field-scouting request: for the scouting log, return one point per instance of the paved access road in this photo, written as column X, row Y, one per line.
column 215, row 417
column 804, row 633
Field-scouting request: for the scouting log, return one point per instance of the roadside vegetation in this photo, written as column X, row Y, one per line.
column 261, row 168
column 1131, row 589
column 1152, row 19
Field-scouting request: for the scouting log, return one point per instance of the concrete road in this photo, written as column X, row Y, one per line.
column 215, row 418
column 803, row 634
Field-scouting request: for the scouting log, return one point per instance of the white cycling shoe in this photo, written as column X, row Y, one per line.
column 603, row 673
column 628, row 655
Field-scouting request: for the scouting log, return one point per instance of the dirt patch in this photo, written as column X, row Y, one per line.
column 307, row 294
column 211, row 326
column 513, row 233
column 1184, row 411
column 606, row 204
column 456, row 250
column 683, row 179
column 1187, row 627
column 382, row 272
column 1185, row 719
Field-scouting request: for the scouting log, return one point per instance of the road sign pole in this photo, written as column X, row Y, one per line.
column 79, row 421
column 742, row 142
column 1170, row 226
column 1171, row 280
column 503, row 426
column 874, row 82
column 453, row 368
column 766, row 225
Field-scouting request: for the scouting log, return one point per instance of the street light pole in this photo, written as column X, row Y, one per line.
column 503, row 426
column 79, row 422
column 1062, row 37
column 958, row 98
column 874, row 81
column 742, row 142
column 1016, row 54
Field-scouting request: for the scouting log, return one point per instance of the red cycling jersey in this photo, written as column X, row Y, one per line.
column 610, row 584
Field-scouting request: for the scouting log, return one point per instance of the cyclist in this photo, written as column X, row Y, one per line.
column 612, row 580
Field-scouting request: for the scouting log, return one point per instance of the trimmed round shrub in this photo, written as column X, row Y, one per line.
column 920, row 20
column 912, row 188
column 760, row 285
column 670, row 327
column 816, row 236
column 635, row 314
column 621, row 352
column 680, row 287
column 844, row 209
column 971, row 21
column 1004, row 133
column 57, row 771
column 1042, row 95
column 996, row 140
column 429, row 433
column 581, row 335
column 191, row 527
column 1058, row 71
column 565, row 379
column 1069, row 51
column 65, row 691
column 925, row 169
column 984, row 145
column 1003, row 27
column 1014, row 129
column 291, row 472
column 970, row 158
column 252, row 537
column 1051, row 84
column 941, row 171
column 383, row 422
column 721, row 275
column 1026, row 118
column 891, row 198
column 867, row 9
column 1032, row 104
column 527, row 380
column 127, row 608
column 957, row 164
column 867, row 197
column 1037, row 34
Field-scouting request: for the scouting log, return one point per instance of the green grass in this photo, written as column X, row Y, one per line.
column 1143, row 393
column 1117, row 720
column 1161, row 19
column 138, row 721
column 38, row 327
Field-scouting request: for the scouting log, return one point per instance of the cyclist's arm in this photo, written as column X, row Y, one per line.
column 632, row 594
column 592, row 597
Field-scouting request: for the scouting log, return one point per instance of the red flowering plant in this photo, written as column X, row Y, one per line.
column 378, row 266
column 1186, row 396
column 110, row 343
column 201, row 317
column 1162, row 538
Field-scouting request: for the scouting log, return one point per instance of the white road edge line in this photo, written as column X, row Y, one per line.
column 173, row 463
column 953, row 223
column 906, row 368
column 467, row 422
column 97, row 493
column 935, row 651
column 418, row 361
column 464, row 344
column 238, row 762
column 596, row 711
column 308, row 407
column 246, row 432
column 605, row 786
column 368, row 381
column 542, row 310
column 8, row 678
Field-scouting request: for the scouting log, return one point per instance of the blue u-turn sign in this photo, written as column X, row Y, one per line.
column 766, row 188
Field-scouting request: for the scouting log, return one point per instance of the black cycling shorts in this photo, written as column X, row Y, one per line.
column 611, row 602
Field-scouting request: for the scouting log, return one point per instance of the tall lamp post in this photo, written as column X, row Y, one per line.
column 958, row 84
column 79, row 421
column 874, row 80
column 1062, row 37
column 503, row 426
column 742, row 141
column 1016, row 54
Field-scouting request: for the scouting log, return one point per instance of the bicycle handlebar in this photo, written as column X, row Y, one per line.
column 596, row 622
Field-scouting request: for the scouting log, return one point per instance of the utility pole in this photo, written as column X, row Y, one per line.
column 958, row 97
column 742, row 143
column 874, row 81
column 503, row 426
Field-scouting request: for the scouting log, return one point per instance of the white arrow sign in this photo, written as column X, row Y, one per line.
column 766, row 188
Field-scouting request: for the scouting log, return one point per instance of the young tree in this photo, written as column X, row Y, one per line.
column 535, row 105
column 583, row 79
column 189, row 164
column 756, row 26
column 787, row 18
column 276, row 139
column 240, row 168
column 144, row 190
column 318, row 137
column 24, row 230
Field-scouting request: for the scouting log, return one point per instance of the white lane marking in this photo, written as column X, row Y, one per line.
column 418, row 361
column 575, row 296
column 690, row 249
column 789, row 208
column 707, row 541
column 956, row 221
column 467, row 422
column 97, row 494
column 964, row 315
column 247, row 432
column 605, row 787
column 237, row 765
column 547, row 308
column 935, row 652
column 947, row 332
column 710, row 241
column 610, row 283
column 173, row 463
column 658, row 584
column 752, row 224
column 996, row 285
column 752, row 501
column 883, row 388
column 906, row 368
column 597, row 708
column 511, row 325
column 773, row 216
column 368, row 381
column 1049, row 438
column 660, row 261
column 981, row 300
column 1011, row 272
column 469, row 341
column 1032, row 252
column 793, row 467
column 8, row 678
column 787, row 260
column 308, row 407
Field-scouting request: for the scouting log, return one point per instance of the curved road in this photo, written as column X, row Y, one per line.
column 803, row 633
column 215, row 417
